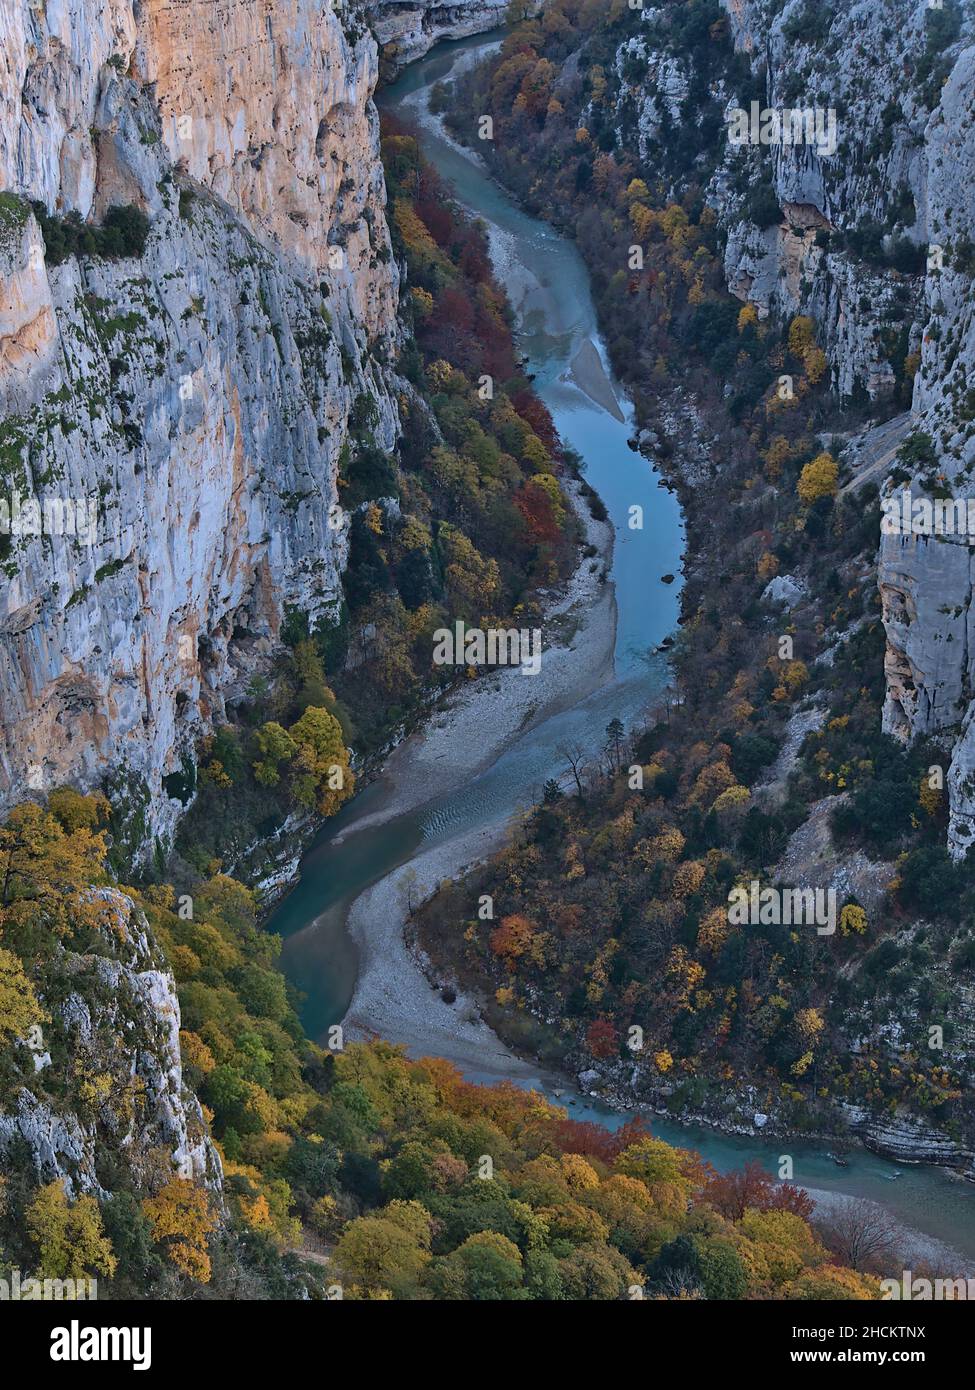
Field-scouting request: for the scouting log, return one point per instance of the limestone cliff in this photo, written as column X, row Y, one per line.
column 926, row 582
column 102, row 1080
column 857, row 64
column 901, row 82
column 191, row 403
column 795, row 216
column 407, row 29
column 870, row 236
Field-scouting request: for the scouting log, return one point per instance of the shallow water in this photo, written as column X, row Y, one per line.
column 555, row 317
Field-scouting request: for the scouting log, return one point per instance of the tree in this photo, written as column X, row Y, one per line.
column 182, row 1222
column 69, row 1238
column 575, row 755
column 19, row 1006
column 487, row 1267
column 512, row 938
column 388, row 1251
column 46, row 875
column 862, row 1234
column 601, row 1038
column 614, row 741
column 322, row 776
column 595, row 1140
column 800, row 335
column 596, row 1272
column 853, row 920
column 819, row 478
column 73, row 811
column 274, row 745
column 733, row 1193
column 473, row 581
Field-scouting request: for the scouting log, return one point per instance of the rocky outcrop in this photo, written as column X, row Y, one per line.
column 793, row 214
column 926, row 581
column 906, row 1140
column 837, row 222
column 178, row 416
column 903, row 89
column 848, row 65
column 117, row 1088
column 870, row 233
column 407, row 29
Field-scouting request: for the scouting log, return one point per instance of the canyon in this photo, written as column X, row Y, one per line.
column 202, row 397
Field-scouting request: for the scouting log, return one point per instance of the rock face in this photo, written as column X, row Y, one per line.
column 926, row 581
column 117, row 1023
column 871, row 236
column 792, row 213
column 179, row 415
column 408, row 30
column 849, row 65
column 918, row 137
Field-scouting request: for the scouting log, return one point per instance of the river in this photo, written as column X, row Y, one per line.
column 555, row 320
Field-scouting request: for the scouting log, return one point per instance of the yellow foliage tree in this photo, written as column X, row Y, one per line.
column 930, row 797
column 776, row 455
column 801, row 331
column 68, row 1237
column 19, row 1006
column 814, row 360
column 853, row 920
column 819, row 478
column 46, row 875
column 322, row 776
column 181, row 1222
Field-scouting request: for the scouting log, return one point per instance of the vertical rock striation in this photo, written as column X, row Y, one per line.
column 926, row 581
column 193, row 400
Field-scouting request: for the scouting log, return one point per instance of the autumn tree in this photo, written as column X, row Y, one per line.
column 733, row 1193
column 46, row 875
column 513, row 938
column 68, row 1236
column 321, row 774
column 20, row 1009
column 75, row 811
column 819, row 478
column 181, row 1222
column 602, row 1038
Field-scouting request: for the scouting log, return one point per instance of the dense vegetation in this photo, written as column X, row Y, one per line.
column 409, row 1182
column 122, row 233
column 610, row 913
